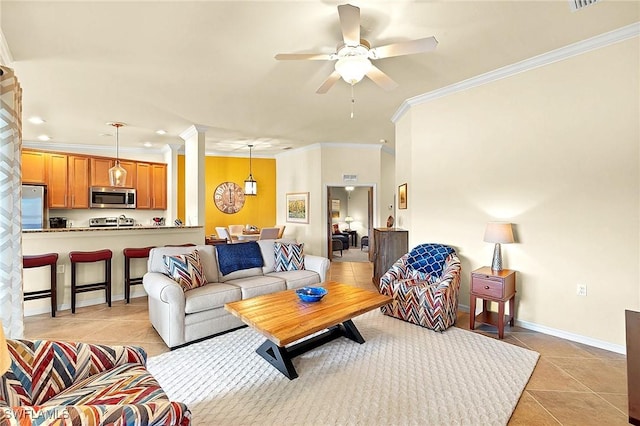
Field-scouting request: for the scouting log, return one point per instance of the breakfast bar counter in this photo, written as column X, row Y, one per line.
column 65, row 240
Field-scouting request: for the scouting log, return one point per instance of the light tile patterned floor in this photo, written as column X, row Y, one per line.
column 572, row 384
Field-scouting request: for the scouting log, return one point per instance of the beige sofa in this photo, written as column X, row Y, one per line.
column 181, row 317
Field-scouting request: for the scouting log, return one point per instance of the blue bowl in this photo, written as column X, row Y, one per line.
column 311, row 294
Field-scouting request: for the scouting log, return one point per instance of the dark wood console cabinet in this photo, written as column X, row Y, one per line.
column 387, row 246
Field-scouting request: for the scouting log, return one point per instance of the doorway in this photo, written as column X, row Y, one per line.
column 349, row 218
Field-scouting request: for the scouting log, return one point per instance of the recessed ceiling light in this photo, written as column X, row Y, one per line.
column 148, row 144
column 44, row 137
column 36, row 120
column 161, row 132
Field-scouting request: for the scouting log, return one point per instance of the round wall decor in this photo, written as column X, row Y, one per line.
column 229, row 197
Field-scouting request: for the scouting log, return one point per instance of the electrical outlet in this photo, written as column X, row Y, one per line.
column 60, row 269
column 582, row 289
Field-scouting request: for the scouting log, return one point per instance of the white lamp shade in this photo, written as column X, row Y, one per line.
column 5, row 358
column 352, row 69
column 499, row 232
column 348, row 219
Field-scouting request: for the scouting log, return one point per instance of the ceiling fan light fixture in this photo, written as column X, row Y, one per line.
column 352, row 69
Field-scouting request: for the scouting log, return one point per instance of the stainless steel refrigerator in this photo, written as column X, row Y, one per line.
column 33, row 207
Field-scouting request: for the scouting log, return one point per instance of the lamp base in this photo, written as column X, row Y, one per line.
column 496, row 265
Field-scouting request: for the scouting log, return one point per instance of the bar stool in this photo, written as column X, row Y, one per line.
column 89, row 257
column 36, row 261
column 132, row 253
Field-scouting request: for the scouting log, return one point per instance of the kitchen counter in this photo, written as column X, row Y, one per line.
column 109, row 228
column 65, row 240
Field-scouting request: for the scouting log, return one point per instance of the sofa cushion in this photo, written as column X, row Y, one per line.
column 297, row 279
column 207, row 258
column 210, row 296
column 186, row 270
column 236, row 257
column 124, row 384
column 289, row 257
column 259, row 285
column 268, row 255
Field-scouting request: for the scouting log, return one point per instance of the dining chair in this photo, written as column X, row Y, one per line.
column 269, row 233
column 235, row 230
column 223, row 233
column 281, row 231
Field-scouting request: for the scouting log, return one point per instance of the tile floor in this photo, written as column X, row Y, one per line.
column 573, row 384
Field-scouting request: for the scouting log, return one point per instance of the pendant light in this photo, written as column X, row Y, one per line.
column 117, row 174
column 250, row 185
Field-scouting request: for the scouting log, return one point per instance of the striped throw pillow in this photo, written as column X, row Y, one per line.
column 186, row 270
column 289, row 257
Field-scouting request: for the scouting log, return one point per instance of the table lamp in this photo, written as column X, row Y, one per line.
column 348, row 219
column 5, row 359
column 498, row 233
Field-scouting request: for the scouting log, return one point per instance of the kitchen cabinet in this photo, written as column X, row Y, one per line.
column 143, row 186
column 100, row 171
column 78, row 191
column 388, row 245
column 57, row 180
column 159, row 186
column 151, row 186
column 34, row 167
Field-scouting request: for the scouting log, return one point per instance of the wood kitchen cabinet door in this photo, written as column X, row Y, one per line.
column 100, row 171
column 57, row 181
column 78, row 168
column 33, row 167
column 159, row 186
column 143, row 185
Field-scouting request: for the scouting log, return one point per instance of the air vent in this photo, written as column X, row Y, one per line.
column 581, row 4
column 349, row 178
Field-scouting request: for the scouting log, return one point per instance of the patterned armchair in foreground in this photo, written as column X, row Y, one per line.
column 424, row 284
column 61, row 383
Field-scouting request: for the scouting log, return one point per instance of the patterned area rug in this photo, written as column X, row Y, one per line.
column 403, row 374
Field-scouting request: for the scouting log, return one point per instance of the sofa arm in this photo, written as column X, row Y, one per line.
column 161, row 287
column 151, row 413
column 317, row 264
column 166, row 307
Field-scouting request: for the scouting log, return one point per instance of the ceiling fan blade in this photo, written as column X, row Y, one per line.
column 404, row 48
column 328, row 83
column 381, row 79
column 350, row 24
column 307, row 56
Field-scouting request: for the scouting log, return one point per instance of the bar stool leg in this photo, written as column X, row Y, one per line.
column 108, row 281
column 54, row 272
column 127, row 279
column 73, row 287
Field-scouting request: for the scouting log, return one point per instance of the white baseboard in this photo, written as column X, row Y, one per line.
column 565, row 335
column 90, row 302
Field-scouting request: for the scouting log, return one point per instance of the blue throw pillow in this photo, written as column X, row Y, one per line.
column 235, row 257
column 429, row 258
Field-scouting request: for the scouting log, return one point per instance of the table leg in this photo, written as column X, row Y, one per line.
column 500, row 320
column 472, row 312
column 278, row 357
column 512, row 310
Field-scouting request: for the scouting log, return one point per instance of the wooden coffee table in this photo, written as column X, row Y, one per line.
column 283, row 319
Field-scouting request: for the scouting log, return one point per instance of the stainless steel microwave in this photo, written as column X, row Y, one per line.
column 106, row 197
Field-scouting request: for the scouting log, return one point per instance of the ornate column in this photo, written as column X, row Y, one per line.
column 11, row 309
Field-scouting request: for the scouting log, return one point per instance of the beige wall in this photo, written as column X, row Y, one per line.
column 313, row 169
column 555, row 150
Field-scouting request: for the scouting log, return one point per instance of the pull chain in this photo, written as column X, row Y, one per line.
column 353, row 101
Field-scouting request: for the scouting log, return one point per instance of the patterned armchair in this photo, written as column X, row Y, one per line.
column 424, row 284
column 61, row 383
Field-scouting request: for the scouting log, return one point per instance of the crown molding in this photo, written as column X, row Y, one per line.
column 192, row 131
column 584, row 46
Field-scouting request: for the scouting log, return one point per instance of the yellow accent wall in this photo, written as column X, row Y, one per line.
column 259, row 210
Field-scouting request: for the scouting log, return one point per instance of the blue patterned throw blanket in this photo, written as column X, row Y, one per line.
column 429, row 258
column 235, row 257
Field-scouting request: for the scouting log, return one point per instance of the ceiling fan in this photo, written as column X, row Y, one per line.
column 354, row 55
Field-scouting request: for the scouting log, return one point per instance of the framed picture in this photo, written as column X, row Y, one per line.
column 298, row 207
column 402, row 196
column 335, row 209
